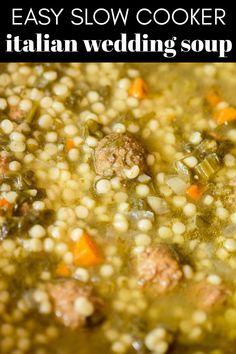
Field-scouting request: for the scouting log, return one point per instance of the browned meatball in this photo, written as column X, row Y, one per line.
column 159, row 268
column 65, row 295
column 209, row 295
column 117, row 152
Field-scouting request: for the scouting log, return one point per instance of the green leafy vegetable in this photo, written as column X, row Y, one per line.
column 93, row 128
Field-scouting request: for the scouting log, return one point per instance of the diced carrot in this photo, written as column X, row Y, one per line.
column 62, row 270
column 69, row 144
column 225, row 115
column 86, row 252
column 138, row 88
column 195, row 192
column 5, row 204
column 213, row 98
column 5, row 207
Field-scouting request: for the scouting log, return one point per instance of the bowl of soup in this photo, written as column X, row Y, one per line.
column 117, row 208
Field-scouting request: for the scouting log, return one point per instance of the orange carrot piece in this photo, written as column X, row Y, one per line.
column 69, row 144
column 5, row 204
column 86, row 252
column 195, row 192
column 225, row 115
column 62, row 270
column 5, row 207
column 213, row 98
column 138, row 88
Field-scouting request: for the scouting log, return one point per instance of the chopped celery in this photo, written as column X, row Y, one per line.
column 208, row 167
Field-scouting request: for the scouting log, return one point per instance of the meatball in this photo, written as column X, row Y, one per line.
column 116, row 153
column 73, row 304
column 159, row 267
column 210, row 295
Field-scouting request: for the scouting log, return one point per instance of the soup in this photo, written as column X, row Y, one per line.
column 117, row 208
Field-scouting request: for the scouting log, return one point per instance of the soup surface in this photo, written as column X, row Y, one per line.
column 117, row 208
